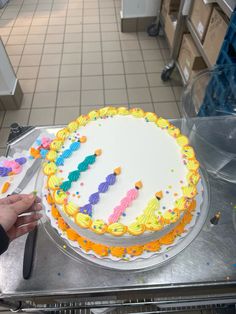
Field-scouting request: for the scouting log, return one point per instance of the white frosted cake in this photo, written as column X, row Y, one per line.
column 120, row 178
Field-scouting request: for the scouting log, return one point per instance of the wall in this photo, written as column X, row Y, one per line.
column 139, row 8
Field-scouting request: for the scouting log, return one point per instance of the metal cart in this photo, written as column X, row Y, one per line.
column 183, row 21
column 203, row 276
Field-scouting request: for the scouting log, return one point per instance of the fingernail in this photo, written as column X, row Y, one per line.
column 31, row 196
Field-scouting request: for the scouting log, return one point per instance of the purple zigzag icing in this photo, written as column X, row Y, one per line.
column 103, row 187
column 111, row 179
column 86, row 209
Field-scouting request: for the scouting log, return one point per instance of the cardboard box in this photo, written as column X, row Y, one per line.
column 190, row 61
column 200, row 17
column 170, row 26
column 169, row 7
column 215, row 35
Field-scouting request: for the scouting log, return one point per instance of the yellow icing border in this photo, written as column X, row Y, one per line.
column 135, row 228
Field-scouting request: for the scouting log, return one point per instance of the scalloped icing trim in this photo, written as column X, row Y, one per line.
column 121, row 252
column 188, row 155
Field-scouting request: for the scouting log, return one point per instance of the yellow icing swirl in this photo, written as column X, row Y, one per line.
column 163, row 123
column 56, row 145
column 193, row 164
column 117, row 229
column 181, row 203
column 193, row 177
column 154, row 224
column 99, row 226
column 189, row 191
column 112, row 111
column 173, row 131
column 93, row 115
column 72, row 126
column 50, row 168
column 188, row 152
column 122, row 111
column 70, row 209
column 171, row 216
column 60, row 197
column 82, row 120
column 149, row 211
column 51, row 155
column 136, row 228
column 54, row 182
column 104, row 111
column 62, row 134
column 182, row 140
column 151, row 117
column 82, row 220
column 137, row 112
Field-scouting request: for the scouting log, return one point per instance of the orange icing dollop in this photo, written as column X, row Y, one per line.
column 55, row 212
column 71, row 234
column 153, row 246
column 85, row 244
column 61, row 224
column 117, row 251
column 100, row 249
column 135, row 250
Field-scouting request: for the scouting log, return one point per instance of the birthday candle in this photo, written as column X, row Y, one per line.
column 152, row 206
column 68, row 152
column 131, row 195
column 83, row 166
column 102, row 188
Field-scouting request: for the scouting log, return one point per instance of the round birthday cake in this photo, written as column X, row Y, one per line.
column 121, row 181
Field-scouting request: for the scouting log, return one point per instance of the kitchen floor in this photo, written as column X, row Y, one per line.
column 71, row 57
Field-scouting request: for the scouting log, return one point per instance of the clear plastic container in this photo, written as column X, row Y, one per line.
column 213, row 132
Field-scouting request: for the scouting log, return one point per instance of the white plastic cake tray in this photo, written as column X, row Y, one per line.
column 147, row 260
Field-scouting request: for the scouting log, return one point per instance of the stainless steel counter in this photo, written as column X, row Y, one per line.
column 207, row 264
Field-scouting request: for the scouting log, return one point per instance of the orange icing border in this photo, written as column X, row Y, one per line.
column 190, row 163
column 121, row 252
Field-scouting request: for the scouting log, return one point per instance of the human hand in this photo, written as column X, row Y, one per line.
column 19, row 214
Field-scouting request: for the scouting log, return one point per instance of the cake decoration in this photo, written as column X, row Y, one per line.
column 99, row 226
column 41, row 147
column 152, row 206
column 54, row 182
column 82, row 167
column 49, row 168
column 68, row 152
column 70, row 208
column 84, row 221
column 72, row 126
column 5, row 187
column 12, row 167
column 102, row 188
column 62, row 134
column 131, row 195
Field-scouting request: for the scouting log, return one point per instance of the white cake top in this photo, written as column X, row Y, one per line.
column 144, row 153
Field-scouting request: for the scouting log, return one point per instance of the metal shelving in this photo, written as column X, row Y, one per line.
column 197, row 41
column 227, row 7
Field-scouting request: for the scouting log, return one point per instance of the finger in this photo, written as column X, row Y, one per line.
column 34, row 207
column 37, row 199
column 23, row 220
column 24, row 204
column 12, row 199
column 25, row 229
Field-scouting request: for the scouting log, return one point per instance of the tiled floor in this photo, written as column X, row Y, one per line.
column 71, row 57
